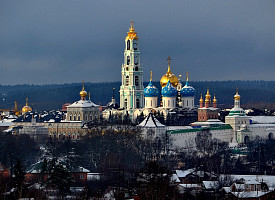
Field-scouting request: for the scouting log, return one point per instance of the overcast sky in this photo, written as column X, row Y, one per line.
column 64, row 41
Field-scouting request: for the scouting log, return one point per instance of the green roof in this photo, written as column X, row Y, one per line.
column 224, row 127
column 234, row 113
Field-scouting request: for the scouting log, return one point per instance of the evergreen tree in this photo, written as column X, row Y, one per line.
column 60, row 178
column 19, row 178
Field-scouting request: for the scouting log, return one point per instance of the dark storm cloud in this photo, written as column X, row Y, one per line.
column 70, row 41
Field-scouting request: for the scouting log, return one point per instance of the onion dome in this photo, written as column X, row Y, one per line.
column 201, row 99
column 207, row 96
column 169, row 90
column 83, row 93
column 151, row 90
column 187, row 90
column 26, row 108
column 237, row 96
column 132, row 35
column 215, row 100
column 169, row 76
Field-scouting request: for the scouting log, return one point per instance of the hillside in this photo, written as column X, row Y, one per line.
column 50, row 97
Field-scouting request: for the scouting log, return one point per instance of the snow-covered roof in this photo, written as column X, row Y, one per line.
column 184, row 173
column 151, row 122
column 209, row 108
column 82, row 104
column 262, row 125
column 263, row 119
column 209, row 122
column 252, row 182
column 226, row 189
column 269, row 180
column 37, row 167
column 190, row 185
column 175, row 178
column 252, row 194
column 211, row 185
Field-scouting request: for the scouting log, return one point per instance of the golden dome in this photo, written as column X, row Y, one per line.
column 215, row 100
column 169, row 76
column 83, row 93
column 26, row 108
column 207, row 96
column 237, row 96
column 201, row 99
column 131, row 34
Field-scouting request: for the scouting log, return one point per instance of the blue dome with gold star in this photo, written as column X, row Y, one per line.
column 151, row 90
column 169, row 90
column 187, row 90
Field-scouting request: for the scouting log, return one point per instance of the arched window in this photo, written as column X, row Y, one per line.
column 136, row 60
column 151, row 103
column 125, row 103
column 70, row 117
column 168, row 103
column 137, row 103
column 270, row 136
column 136, row 81
column 127, row 80
column 74, row 117
column 136, row 69
column 246, row 139
column 128, row 45
column 128, row 60
column 78, row 117
column 135, row 45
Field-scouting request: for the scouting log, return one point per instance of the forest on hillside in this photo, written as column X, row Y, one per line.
column 260, row 94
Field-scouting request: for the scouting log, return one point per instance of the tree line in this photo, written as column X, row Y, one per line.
column 52, row 97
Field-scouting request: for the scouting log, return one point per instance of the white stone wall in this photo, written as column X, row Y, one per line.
column 169, row 102
column 187, row 139
column 151, row 102
column 188, row 102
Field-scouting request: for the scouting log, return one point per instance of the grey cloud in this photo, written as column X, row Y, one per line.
column 68, row 41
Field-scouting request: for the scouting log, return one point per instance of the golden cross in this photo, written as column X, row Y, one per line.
column 82, row 85
column 132, row 23
column 169, row 60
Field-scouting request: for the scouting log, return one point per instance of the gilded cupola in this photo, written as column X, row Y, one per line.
column 169, row 76
column 237, row 96
column 83, row 93
column 26, row 108
column 201, row 99
column 207, row 96
column 131, row 35
column 214, row 99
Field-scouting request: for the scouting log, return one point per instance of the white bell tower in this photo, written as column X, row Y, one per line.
column 131, row 89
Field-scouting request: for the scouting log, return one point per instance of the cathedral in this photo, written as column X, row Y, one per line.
column 173, row 100
column 135, row 100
